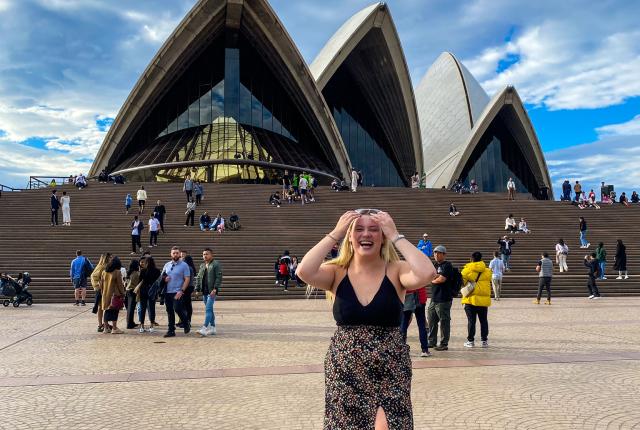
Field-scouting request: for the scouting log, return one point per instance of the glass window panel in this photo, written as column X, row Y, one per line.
column 205, row 108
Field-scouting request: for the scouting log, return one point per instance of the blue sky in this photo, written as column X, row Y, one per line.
column 66, row 67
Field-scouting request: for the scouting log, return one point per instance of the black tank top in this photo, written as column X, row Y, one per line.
column 384, row 310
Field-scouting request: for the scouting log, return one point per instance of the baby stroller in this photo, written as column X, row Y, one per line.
column 16, row 290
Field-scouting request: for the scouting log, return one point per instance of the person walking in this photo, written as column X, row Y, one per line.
column 55, row 205
column 620, row 261
column 65, row 200
column 545, row 273
column 175, row 274
column 148, row 292
column 476, row 304
column 141, row 196
column 367, row 367
column 354, row 180
column 112, row 295
column 133, row 279
column 154, row 227
column 591, row 263
column 136, row 231
column 583, row 233
column 497, row 270
column 160, row 212
column 187, row 303
column 425, row 245
column 128, row 201
column 187, row 187
column 190, row 213
column 302, row 184
column 562, row 250
column 96, row 277
column 199, row 190
column 208, row 282
column 80, row 269
column 511, row 189
column 415, row 302
column 443, row 290
column 601, row 256
column 506, row 245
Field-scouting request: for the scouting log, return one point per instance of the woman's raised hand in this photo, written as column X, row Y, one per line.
column 386, row 223
column 343, row 224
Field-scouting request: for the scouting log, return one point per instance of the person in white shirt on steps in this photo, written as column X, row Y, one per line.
column 65, row 200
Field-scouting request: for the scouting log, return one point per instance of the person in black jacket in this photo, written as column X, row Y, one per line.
column 591, row 263
column 55, row 205
column 505, row 250
column 160, row 212
column 584, row 243
column 620, row 262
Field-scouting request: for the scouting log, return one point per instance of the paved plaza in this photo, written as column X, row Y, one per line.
column 574, row 365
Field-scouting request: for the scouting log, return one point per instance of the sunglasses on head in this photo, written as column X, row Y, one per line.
column 368, row 211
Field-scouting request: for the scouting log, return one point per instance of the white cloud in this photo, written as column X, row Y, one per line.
column 4, row 5
column 629, row 128
column 608, row 159
column 562, row 66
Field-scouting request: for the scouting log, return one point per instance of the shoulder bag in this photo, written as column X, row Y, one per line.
column 469, row 287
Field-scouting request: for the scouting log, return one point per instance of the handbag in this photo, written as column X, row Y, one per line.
column 469, row 287
column 117, row 302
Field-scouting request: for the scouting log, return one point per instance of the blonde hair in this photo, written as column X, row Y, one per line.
column 345, row 255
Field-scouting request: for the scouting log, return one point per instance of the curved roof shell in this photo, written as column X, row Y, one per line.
column 507, row 107
column 202, row 23
column 386, row 80
column 450, row 101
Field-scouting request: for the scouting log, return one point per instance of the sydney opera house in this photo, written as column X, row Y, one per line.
column 229, row 98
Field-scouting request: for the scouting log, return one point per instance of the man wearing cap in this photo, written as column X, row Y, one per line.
column 425, row 245
column 442, row 293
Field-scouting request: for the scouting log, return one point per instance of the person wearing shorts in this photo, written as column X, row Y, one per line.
column 303, row 189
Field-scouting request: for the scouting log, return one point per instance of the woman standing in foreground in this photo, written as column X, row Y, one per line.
column 367, row 367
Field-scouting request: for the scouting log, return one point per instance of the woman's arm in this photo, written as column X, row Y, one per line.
column 310, row 269
column 417, row 270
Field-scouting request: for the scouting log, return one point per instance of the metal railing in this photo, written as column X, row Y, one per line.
column 7, row 188
column 36, row 182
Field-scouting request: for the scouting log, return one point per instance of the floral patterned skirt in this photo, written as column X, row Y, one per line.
column 367, row 367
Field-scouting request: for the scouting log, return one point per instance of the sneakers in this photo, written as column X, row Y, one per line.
column 141, row 329
column 591, row 296
column 485, row 344
column 425, row 354
column 170, row 334
column 100, row 329
column 203, row 331
column 277, row 283
column 626, row 276
column 82, row 303
column 536, row 301
column 547, row 302
column 116, row 331
column 212, row 330
column 151, row 329
column 441, row 348
column 596, row 297
column 619, row 277
column 604, row 277
column 469, row 344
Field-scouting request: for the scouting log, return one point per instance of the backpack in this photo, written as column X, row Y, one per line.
column 86, row 268
column 456, row 282
column 283, row 269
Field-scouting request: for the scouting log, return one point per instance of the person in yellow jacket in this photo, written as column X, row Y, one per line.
column 477, row 303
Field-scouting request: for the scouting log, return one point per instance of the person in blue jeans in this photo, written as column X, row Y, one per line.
column 208, row 282
column 601, row 256
column 583, row 234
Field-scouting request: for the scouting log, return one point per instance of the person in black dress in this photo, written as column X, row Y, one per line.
column 620, row 262
column 367, row 367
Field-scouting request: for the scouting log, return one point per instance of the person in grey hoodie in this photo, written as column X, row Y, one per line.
column 188, row 187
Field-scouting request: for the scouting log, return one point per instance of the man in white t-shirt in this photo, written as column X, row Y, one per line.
column 511, row 189
column 354, row 180
column 154, row 227
column 303, row 185
column 497, row 269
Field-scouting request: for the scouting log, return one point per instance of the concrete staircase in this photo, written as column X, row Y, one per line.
column 99, row 224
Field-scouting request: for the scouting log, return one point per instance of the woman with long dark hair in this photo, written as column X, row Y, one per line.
column 112, row 295
column 96, row 277
column 133, row 278
column 146, row 297
column 620, row 263
column 367, row 367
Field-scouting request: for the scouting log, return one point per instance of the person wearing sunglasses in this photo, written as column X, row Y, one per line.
column 368, row 368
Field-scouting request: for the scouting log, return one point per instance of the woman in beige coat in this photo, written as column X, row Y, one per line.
column 112, row 294
column 96, row 276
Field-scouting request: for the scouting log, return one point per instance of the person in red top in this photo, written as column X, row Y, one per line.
column 415, row 302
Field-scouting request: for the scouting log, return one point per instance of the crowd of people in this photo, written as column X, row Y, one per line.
column 138, row 288
column 608, row 196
